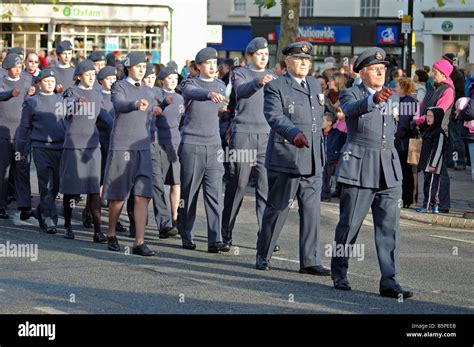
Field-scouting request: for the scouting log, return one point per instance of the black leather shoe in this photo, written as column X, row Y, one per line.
column 4, row 214
column 342, row 283
column 276, row 249
column 25, row 214
column 112, row 244
column 132, row 233
column 120, row 228
column 218, row 247
column 87, row 220
column 191, row 246
column 168, row 232
column 50, row 230
column 262, row 264
column 100, row 238
column 68, row 233
column 444, row 210
column 395, row 293
column 143, row 250
column 316, row 270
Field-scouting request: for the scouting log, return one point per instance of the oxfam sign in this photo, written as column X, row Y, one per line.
column 81, row 12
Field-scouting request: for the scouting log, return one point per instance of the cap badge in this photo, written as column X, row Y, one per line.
column 305, row 48
column 378, row 56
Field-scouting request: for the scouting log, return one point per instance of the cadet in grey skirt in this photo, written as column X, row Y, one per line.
column 129, row 166
column 81, row 160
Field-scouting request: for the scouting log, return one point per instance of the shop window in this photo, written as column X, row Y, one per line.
column 369, row 8
column 306, row 8
column 239, row 6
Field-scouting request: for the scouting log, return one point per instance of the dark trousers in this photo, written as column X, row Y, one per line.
column 354, row 206
column 20, row 170
column 161, row 208
column 328, row 172
column 200, row 167
column 445, row 186
column 431, row 189
column 239, row 178
column 283, row 188
column 47, row 163
column 408, row 183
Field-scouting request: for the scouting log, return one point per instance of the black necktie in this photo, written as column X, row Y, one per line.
column 303, row 84
column 137, row 84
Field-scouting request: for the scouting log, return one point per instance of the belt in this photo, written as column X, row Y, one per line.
column 369, row 143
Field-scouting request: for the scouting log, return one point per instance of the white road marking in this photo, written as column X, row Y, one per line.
column 49, row 310
column 452, row 239
column 284, row 259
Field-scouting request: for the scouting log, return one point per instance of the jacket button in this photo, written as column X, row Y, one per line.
column 312, row 107
column 384, row 124
column 384, row 136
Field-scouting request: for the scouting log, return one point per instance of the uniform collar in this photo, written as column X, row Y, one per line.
column 297, row 79
column 13, row 79
column 132, row 81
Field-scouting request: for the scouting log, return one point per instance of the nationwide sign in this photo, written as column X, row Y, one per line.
column 323, row 33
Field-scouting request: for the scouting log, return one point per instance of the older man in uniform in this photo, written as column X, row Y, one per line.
column 370, row 173
column 294, row 109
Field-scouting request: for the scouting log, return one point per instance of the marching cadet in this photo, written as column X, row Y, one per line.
column 169, row 136
column 44, row 128
column 249, row 133
column 64, row 71
column 370, row 174
column 294, row 159
column 106, row 77
column 80, row 161
column 100, row 61
column 129, row 164
column 199, row 152
column 160, row 204
column 10, row 117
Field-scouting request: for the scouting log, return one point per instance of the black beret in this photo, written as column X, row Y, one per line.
column 44, row 74
column 172, row 64
column 11, row 60
column 256, row 44
column 298, row 49
column 97, row 56
column 205, row 54
column 150, row 69
column 165, row 72
column 111, row 59
column 134, row 58
column 83, row 66
column 371, row 56
column 16, row 50
column 105, row 72
column 63, row 46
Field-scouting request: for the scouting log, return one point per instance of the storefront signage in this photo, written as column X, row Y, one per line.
column 447, row 26
column 323, row 33
column 81, row 12
column 387, row 34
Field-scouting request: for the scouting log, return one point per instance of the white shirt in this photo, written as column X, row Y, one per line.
column 63, row 66
column 299, row 80
column 106, row 92
column 132, row 81
column 206, row 79
column 83, row 87
column 13, row 79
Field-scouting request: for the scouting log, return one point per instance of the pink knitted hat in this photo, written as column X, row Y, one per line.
column 444, row 67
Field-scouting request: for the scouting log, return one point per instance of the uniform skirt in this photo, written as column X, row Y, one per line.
column 80, row 171
column 128, row 171
column 170, row 163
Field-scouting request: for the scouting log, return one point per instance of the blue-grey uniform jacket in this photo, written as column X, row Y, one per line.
column 290, row 109
column 369, row 151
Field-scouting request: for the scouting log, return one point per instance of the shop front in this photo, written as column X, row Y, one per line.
column 109, row 28
column 337, row 37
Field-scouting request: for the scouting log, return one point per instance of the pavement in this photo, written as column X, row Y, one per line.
column 80, row 277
